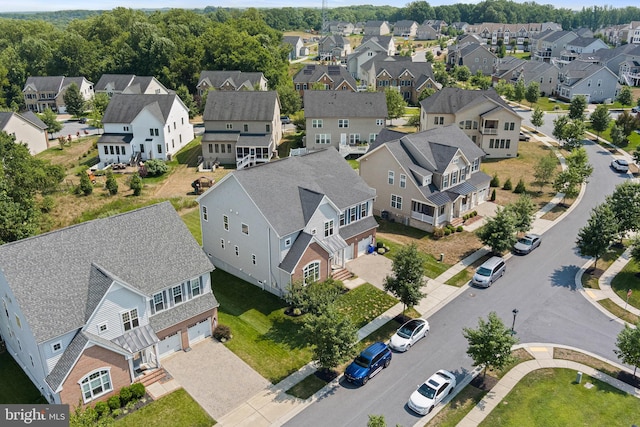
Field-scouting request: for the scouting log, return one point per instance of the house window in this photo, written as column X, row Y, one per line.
column 96, row 384
column 142, row 148
column 316, row 123
column 245, row 229
column 246, row 127
column 491, row 143
column 158, row 301
column 396, row 201
column 151, row 131
column 354, row 138
column 228, row 148
column 372, row 137
column 342, row 219
column 56, row 346
column 106, row 149
column 328, row 228
column 509, row 125
column 364, row 208
column 130, row 319
column 168, row 129
column 31, row 358
column 205, row 214
column 177, row 294
column 287, row 242
column 390, row 177
column 445, row 181
column 343, row 123
column 210, row 148
column 438, row 120
column 102, row 328
column 159, row 148
column 454, row 178
column 222, row 148
column 18, row 322
column 237, row 251
column 476, row 165
column 403, row 181
column 222, row 243
column 253, row 259
column 379, row 122
column 125, row 128
column 312, row 272
column 217, row 148
column 323, row 138
column 229, row 126
column 195, row 287
column 508, row 144
column 225, row 222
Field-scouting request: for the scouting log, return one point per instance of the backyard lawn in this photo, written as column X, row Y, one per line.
column 15, row 386
column 550, row 397
column 175, row 409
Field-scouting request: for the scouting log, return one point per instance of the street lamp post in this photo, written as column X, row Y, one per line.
column 513, row 325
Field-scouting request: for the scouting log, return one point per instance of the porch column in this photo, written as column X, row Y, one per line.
column 155, row 350
column 131, row 370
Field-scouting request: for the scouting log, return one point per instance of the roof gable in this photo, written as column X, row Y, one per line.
column 243, row 105
column 124, row 108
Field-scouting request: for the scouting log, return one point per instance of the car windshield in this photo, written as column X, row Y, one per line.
column 525, row 241
column 427, row 391
column 623, row 162
column 361, row 361
column 483, row 271
column 406, row 330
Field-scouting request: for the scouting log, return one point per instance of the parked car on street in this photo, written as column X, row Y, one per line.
column 409, row 334
column 368, row 363
column 620, row 165
column 635, row 110
column 489, row 271
column 524, row 137
column 285, row 120
column 527, row 243
column 429, row 394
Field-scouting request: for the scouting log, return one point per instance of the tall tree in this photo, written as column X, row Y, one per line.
column 628, row 123
column 519, row 91
column 74, row 101
column 597, row 235
column 569, row 131
column 532, row 93
column 618, row 138
column 408, row 276
column 490, row 344
column 624, row 96
column 628, row 344
column 578, row 161
column 499, row 232
column 462, row 73
column 289, row 99
column 600, row 119
column 524, row 212
column 625, row 204
column 537, row 118
column 187, row 99
column 395, row 104
column 50, row 119
column 545, row 169
column 577, row 106
column 332, row 336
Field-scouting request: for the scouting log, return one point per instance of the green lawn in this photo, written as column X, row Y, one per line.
column 364, row 303
column 15, row 386
column 628, row 278
column 433, row 267
column 546, row 105
column 175, row 409
column 634, row 138
column 192, row 220
column 550, row 397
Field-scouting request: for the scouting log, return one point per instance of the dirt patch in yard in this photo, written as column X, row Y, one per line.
column 455, row 247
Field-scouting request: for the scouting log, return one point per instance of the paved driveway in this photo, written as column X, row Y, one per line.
column 372, row 268
column 215, row 377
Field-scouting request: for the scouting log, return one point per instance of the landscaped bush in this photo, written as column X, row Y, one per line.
column 507, row 185
column 114, row 402
column 493, row 195
column 520, row 187
column 381, row 250
column 438, row 233
column 137, row 390
column 447, row 231
column 155, row 167
column 125, row 395
column 495, row 181
column 379, row 245
column 103, row 409
column 474, row 213
column 222, row 333
column 459, row 229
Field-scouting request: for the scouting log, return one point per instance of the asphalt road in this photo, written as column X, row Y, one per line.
column 540, row 285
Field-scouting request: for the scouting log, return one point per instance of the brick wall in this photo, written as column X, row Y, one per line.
column 313, row 252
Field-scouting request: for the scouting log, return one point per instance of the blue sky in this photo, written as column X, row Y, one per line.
column 41, row 5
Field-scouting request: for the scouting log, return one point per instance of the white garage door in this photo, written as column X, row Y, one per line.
column 170, row 344
column 199, row 331
column 363, row 245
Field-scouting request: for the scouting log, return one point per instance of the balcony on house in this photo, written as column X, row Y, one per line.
column 490, row 127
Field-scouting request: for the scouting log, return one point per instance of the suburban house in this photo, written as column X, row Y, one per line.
column 105, row 312
column 620, row 34
column 513, row 70
column 595, row 82
column 341, row 28
column 427, row 179
column 483, row 116
column 523, row 34
column 331, row 77
column 475, row 56
column 295, row 46
column 346, row 121
column 143, row 127
column 550, row 44
column 623, row 60
column 578, row 46
column 298, row 218
column 401, row 73
column 385, row 44
column 505, row 67
column 426, row 32
column 230, row 81
column 41, row 93
column 405, row 28
column 438, row 24
column 130, row 84
column 376, row 28
column 26, row 128
column 240, row 128
column 334, row 48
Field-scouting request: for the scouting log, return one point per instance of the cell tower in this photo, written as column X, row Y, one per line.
column 325, row 23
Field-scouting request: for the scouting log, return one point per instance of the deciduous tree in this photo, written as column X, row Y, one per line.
column 524, row 212
column 490, row 344
column 628, row 344
column 532, row 93
column 595, row 238
column 395, row 104
column 50, row 119
column 625, row 204
column 408, row 276
column 600, row 119
column 576, row 108
column 624, row 96
column 545, row 169
column 290, row 101
column 332, row 336
column 74, row 101
column 537, row 118
column 499, row 232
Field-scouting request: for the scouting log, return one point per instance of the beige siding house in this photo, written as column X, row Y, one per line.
column 41, row 93
column 27, row 129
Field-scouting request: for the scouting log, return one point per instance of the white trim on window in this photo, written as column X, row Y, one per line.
column 96, row 384
column 287, row 242
column 311, row 272
column 102, row 328
column 56, row 346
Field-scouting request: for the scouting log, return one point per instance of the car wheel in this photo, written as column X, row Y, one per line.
column 365, row 380
column 388, row 361
column 430, row 409
column 450, row 390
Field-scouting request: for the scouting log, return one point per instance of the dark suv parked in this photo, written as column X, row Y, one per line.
column 371, row 361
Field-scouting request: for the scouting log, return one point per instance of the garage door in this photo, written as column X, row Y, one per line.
column 363, row 245
column 199, row 331
column 170, row 344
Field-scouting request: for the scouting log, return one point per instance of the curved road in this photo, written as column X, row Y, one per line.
column 540, row 285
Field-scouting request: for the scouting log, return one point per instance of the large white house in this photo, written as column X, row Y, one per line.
column 142, row 127
column 297, row 218
column 26, row 128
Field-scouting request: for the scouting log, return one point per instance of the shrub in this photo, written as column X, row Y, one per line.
column 474, row 213
column 222, row 333
column 125, row 395
column 520, row 187
column 438, row 233
column 495, row 181
column 85, row 184
column 156, row 167
column 135, row 183
column 459, row 228
column 114, row 402
column 507, row 184
column 103, row 409
column 131, row 405
column 493, row 195
column 116, row 412
column 381, row 251
column 137, row 390
column 47, row 204
column 447, row 231
column 379, row 245
column 111, row 184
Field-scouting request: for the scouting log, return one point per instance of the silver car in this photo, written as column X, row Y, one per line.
column 527, row 243
column 489, row 272
column 620, row 165
column 409, row 334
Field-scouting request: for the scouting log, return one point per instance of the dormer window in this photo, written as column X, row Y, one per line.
column 177, row 294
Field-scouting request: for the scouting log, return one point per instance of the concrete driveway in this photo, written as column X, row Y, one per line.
column 372, row 268
column 215, row 377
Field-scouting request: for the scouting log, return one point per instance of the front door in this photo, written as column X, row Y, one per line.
column 343, row 139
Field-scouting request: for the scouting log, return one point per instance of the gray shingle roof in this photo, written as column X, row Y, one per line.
column 182, row 312
column 450, row 100
column 323, row 171
column 298, row 248
column 115, row 138
column 149, row 249
column 395, row 67
column 355, row 228
column 237, row 78
column 242, row 105
column 30, row 116
column 313, row 72
column 346, row 104
column 383, row 41
column 385, row 135
column 45, row 84
column 4, row 118
column 119, row 81
column 254, row 140
column 582, row 41
column 67, row 360
column 125, row 108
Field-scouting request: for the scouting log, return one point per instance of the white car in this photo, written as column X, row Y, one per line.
column 429, row 394
column 620, row 165
column 408, row 334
